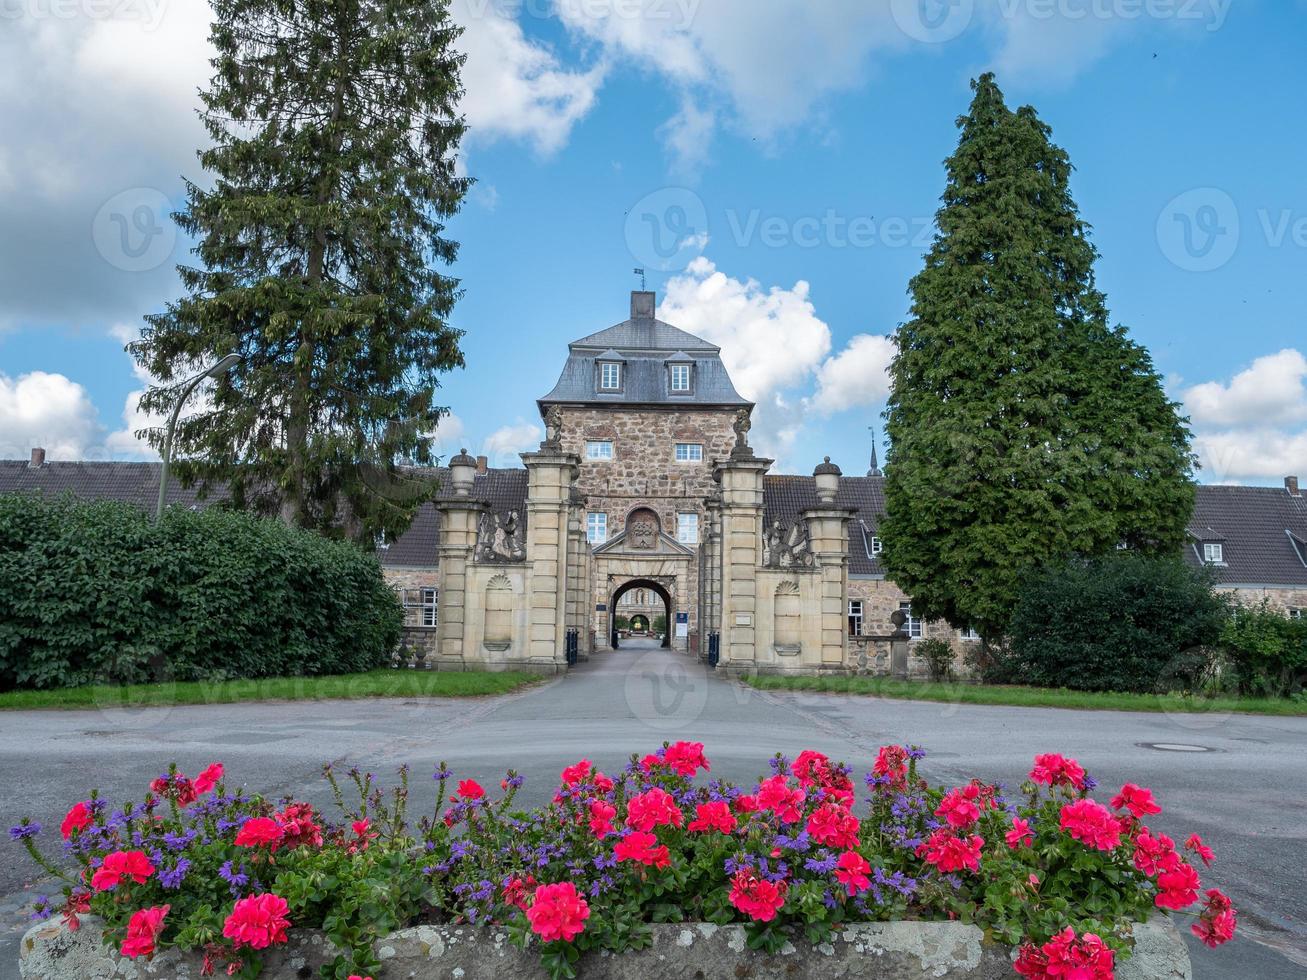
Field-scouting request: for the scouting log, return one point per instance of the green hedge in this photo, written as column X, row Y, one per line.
column 99, row 593
column 1122, row 623
column 1265, row 651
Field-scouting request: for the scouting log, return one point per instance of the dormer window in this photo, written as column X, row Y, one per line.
column 680, row 377
column 610, row 376
column 877, row 546
column 1213, row 553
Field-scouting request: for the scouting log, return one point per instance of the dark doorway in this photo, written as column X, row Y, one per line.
column 655, row 587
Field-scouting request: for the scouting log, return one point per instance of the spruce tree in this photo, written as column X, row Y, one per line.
column 1024, row 429
column 319, row 233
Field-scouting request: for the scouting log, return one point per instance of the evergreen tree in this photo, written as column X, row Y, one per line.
column 334, row 125
column 1023, row 427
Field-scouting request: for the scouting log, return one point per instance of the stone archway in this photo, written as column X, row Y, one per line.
column 654, row 586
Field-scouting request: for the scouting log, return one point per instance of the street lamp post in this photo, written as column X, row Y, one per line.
column 224, row 365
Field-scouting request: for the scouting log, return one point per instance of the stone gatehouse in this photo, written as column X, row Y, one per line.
column 645, row 498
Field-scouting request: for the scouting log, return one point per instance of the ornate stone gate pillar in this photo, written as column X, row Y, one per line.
column 458, row 537
column 550, row 475
column 741, row 477
column 828, row 532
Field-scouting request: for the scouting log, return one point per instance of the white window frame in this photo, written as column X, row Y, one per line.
column 968, row 634
column 1295, row 613
column 680, row 378
column 857, row 617
column 687, row 528
column 604, row 368
column 599, row 449
column 689, row 452
column 915, row 627
column 421, row 607
column 1213, row 553
column 877, row 545
column 596, row 527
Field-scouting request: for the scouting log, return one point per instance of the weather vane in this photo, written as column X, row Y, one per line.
column 640, row 273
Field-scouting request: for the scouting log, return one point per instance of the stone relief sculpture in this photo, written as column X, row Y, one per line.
column 500, row 538
column 642, row 531
column 553, row 427
column 787, row 547
column 741, row 425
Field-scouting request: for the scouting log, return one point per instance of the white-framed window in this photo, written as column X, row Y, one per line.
column 599, row 449
column 915, row 627
column 968, row 634
column 610, row 376
column 856, row 616
column 687, row 528
column 420, row 607
column 596, row 527
column 877, row 545
column 680, row 377
column 1295, row 614
column 689, row 452
column 1213, row 553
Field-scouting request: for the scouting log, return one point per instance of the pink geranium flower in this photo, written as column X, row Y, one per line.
column 1020, row 835
column 143, row 930
column 716, row 815
column 209, row 778
column 1136, row 799
column 851, row 871
column 652, row 808
column 643, row 848
column 118, row 865
column 756, row 897
column 1092, row 824
column 558, row 912
column 258, row 921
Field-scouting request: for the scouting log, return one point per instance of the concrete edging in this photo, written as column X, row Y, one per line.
column 881, row 950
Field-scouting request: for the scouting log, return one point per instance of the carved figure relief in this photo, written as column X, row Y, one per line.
column 501, row 538
column 553, row 427
column 742, row 425
column 787, row 547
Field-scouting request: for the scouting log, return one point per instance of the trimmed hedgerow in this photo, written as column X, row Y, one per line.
column 97, row 592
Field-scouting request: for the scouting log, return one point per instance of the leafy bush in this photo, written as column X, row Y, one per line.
column 621, row 622
column 1265, row 651
column 939, row 658
column 1122, row 623
column 1050, row 870
column 660, row 624
column 100, row 593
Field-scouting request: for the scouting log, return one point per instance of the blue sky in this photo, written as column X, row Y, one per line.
column 788, row 154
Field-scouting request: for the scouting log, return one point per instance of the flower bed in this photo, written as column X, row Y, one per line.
column 1052, row 872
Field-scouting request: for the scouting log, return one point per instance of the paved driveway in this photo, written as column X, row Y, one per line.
column 1241, row 784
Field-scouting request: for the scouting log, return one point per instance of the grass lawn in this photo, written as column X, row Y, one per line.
column 384, row 683
column 1030, row 697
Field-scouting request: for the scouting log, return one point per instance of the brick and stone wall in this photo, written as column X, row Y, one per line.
column 881, row 598
column 1280, row 599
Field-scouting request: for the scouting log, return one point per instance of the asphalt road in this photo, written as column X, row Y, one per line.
column 1237, row 780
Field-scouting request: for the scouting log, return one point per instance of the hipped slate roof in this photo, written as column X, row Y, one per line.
column 785, row 497
column 1262, row 530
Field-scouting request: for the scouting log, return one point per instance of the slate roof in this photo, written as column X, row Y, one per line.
column 1263, row 531
column 785, row 497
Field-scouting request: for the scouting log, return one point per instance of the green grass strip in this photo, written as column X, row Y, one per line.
column 373, row 684
column 1028, row 697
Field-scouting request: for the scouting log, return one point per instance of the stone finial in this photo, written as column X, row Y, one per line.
column 827, row 476
column 742, row 424
column 462, row 472
column 553, row 428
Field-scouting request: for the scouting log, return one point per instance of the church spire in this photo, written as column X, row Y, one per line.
column 874, row 469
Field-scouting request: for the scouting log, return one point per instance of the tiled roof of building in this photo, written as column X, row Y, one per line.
column 1262, row 531
column 785, row 497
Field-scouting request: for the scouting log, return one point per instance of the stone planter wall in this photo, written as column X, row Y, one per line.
column 694, row 951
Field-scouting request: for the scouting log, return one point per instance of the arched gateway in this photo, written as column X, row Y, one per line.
column 658, row 589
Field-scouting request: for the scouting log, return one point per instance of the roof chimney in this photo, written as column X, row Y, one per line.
column 483, row 464
column 1290, row 483
column 38, row 458
column 642, row 304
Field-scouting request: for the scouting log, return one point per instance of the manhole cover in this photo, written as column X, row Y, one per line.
column 1174, row 747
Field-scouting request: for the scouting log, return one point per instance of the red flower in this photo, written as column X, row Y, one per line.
column 1154, row 855
column 558, row 912
column 653, row 808
column 298, row 826
column 713, row 816
column 1092, row 824
column 1216, row 923
column 642, row 847
column 686, row 758
column 948, row 852
column 577, row 773
column 746, row 803
column 208, row 779
column 756, row 897
column 851, row 871
column 833, row 826
column 515, row 891
column 258, row 831
column 892, row 763
column 258, row 921
column 1066, row 957
column 1195, row 844
column 143, row 930
column 1178, row 888
column 601, row 817
column 119, row 865
column 958, row 808
column 176, row 786
column 811, row 768
column 1053, row 769
column 602, row 783
column 1020, row 835
column 776, row 795
column 1136, row 799
column 470, row 789
column 78, row 818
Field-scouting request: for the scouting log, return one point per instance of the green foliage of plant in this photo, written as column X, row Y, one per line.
column 660, row 624
column 621, row 622
column 1265, row 651
column 1023, row 427
column 321, row 239
column 1120, row 623
column 98, row 593
column 938, row 656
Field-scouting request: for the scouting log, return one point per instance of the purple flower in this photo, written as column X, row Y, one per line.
column 25, row 830
column 235, row 879
column 171, row 878
column 822, row 865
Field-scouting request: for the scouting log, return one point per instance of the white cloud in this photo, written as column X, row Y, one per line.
column 857, row 376
column 1252, row 455
column 504, row 444
column 1269, row 392
column 50, row 411
column 688, row 136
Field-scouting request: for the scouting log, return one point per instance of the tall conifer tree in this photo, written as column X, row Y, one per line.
column 1023, row 427
column 334, row 126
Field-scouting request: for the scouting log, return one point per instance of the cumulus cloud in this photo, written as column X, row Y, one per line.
column 857, row 376
column 505, row 444
column 47, row 410
column 1251, row 427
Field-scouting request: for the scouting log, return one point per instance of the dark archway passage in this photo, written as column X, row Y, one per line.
column 642, row 583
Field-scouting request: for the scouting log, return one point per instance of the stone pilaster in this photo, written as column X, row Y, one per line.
column 550, row 475
column 741, row 479
column 828, row 532
column 577, row 578
column 458, row 538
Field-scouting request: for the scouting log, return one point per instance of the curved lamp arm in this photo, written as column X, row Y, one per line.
column 187, row 389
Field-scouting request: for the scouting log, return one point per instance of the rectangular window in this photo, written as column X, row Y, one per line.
column 420, row 607
column 680, row 377
column 599, row 449
column 687, row 528
column 610, row 376
column 1214, row 554
column 970, row 635
column 1295, row 614
column 915, row 627
column 596, row 528
column 855, row 617
column 689, row 452
column 877, row 546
